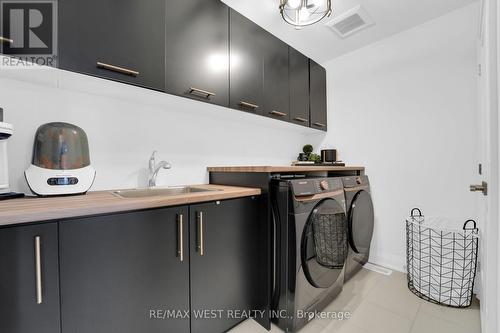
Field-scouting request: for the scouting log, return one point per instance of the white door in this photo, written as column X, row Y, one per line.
column 487, row 184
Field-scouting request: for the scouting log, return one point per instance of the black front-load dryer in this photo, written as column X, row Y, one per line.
column 310, row 248
column 360, row 222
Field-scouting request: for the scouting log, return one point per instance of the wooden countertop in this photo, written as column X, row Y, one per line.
column 277, row 169
column 34, row 209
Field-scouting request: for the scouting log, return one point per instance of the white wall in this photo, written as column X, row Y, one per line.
column 125, row 124
column 405, row 108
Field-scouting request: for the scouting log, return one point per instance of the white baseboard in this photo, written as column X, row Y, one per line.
column 390, row 261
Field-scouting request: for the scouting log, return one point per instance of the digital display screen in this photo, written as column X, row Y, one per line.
column 62, row 181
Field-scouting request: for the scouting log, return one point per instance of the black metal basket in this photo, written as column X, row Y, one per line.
column 441, row 264
column 330, row 239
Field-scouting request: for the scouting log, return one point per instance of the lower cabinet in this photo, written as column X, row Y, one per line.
column 117, row 271
column 29, row 279
column 183, row 269
column 225, row 263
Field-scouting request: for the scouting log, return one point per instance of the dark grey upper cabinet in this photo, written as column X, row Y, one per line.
column 246, row 63
column 122, row 40
column 299, row 88
column 25, row 305
column 197, row 50
column 200, row 49
column 318, row 96
column 117, row 270
column 225, row 261
column 276, row 81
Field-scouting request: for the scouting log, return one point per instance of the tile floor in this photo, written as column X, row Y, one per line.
column 383, row 304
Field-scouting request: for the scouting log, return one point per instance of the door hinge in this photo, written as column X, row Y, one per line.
column 480, row 188
column 479, row 70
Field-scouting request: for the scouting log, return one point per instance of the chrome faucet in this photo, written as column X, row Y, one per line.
column 154, row 169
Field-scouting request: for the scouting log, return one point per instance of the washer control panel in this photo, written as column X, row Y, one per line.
column 312, row 186
column 355, row 181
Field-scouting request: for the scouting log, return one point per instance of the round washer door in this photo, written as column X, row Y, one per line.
column 324, row 243
column 361, row 222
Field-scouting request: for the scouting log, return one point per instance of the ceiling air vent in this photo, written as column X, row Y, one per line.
column 351, row 21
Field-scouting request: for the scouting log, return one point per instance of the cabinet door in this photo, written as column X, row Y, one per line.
column 225, row 265
column 276, row 83
column 318, row 96
column 299, row 88
column 4, row 43
column 122, row 40
column 198, row 50
column 29, row 279
column 246, row 64
column 118, row 270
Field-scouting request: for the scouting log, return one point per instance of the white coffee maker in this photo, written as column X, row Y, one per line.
column 6, row 131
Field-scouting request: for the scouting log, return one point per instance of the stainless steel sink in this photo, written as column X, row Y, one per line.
column 160, row 191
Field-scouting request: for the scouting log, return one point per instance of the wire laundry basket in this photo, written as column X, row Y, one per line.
column 330, row 239
column 441, row 264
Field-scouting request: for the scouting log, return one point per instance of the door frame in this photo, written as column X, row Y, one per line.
column 489, row 40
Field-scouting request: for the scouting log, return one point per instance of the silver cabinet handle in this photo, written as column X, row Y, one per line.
column 319, row 124
column 205, row 93
column 180, row 250
column 38, row 270
column 201, row 245
column 277, row 113
column 302, row 120
column 249, row 105
column 117, row 69
column 6, row 40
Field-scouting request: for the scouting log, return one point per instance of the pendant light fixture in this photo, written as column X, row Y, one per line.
column 301, row 13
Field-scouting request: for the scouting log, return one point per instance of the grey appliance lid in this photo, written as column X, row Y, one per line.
column 61, row 146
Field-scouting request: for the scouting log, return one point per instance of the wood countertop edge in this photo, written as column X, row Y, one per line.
column 267, row 169
column 33, row 210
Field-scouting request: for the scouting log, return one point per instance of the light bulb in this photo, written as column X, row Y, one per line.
column 304, row 14
column 294, row 4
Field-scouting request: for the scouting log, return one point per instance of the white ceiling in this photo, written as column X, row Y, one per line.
column 322, row 44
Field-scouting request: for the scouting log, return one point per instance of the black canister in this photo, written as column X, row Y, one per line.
column 303, row 157
column 329, row 155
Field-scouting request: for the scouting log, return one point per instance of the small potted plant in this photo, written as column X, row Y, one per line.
column 315, row 158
